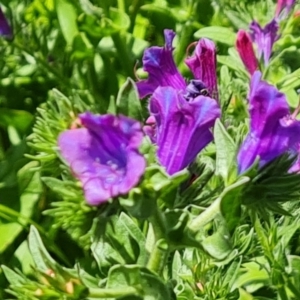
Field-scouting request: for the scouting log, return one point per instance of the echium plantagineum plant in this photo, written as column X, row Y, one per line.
column 176, row 200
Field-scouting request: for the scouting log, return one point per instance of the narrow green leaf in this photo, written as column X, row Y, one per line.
column 67, row 17
column 128, row 102
column 230, row 205
column 226, row 152
column 38, row 251
column 11, row 276
column 136, row 234
column 217, row 33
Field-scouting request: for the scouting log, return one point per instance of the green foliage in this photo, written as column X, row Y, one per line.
column 203, row 233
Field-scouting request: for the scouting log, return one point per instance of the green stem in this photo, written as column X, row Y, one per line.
column 16, row 216
column 185, row 39
column 208, row 215
column 136, row 4
column 112, row 293
column 123, row 53
column 121, row 5
column 160, row 249
column 158, row 256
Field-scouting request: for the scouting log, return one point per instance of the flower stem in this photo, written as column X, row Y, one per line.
column 185, row 39
column 160, row 249
column 158, row 256
column 112, row 293
column 125, row 58
column 208, row 215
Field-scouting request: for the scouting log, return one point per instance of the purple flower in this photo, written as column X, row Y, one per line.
column 245, row 49
column 283, row 8
column 104, row 155
column 183, row 127
column 184, row 113
column 203, row 65
column 5, row 29
column 264, row 38
column 273, row 130
column 162, row 71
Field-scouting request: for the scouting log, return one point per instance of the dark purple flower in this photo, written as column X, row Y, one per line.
column 264, row 38
column 104, row 155
column 203, row 65
column 245, row 49
column 183, row 128
column 273, row 130
column 283, row 8
column 162, row 71
column 5, row 29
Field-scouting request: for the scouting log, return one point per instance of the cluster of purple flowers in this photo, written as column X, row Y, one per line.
column 263, row 37
column 103, row 153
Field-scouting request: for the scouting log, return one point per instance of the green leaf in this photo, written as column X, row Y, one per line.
column 218, row 245
column 136, row 234
column 217, row 33
column 38, row 251
column 66, row 189
column 19, row 119
column 128, row 102
column 149, row 285
column 67, row 17
column 226, row 153
column 289, row 81
column 230, row 205
column 233, row 64
column 11, row 276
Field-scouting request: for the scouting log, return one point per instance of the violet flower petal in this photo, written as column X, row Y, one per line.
column 183, row 128
column 264, row 38
column 104, row 155
column 160, row 65
column 245, row 49
column 203, row 65
column 272, row 132
column 5, row 29
column 283, row 8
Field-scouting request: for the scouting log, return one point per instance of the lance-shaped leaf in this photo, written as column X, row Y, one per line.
column 104, row 155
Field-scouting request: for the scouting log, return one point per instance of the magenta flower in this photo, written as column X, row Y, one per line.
column 5, row 29
column 273, row 131
column 104, row 155
column 245, row 49
column 264, row 38
column 283, row 8
column 203, row 65
column 162, row 71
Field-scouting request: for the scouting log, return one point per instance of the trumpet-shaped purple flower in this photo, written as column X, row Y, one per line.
column 264, row 38
column 245, row 49
column 104, row 155
column 162, row 71
column 273, row 130
column 5, row 29
column 183, row 127
column 283, row 8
